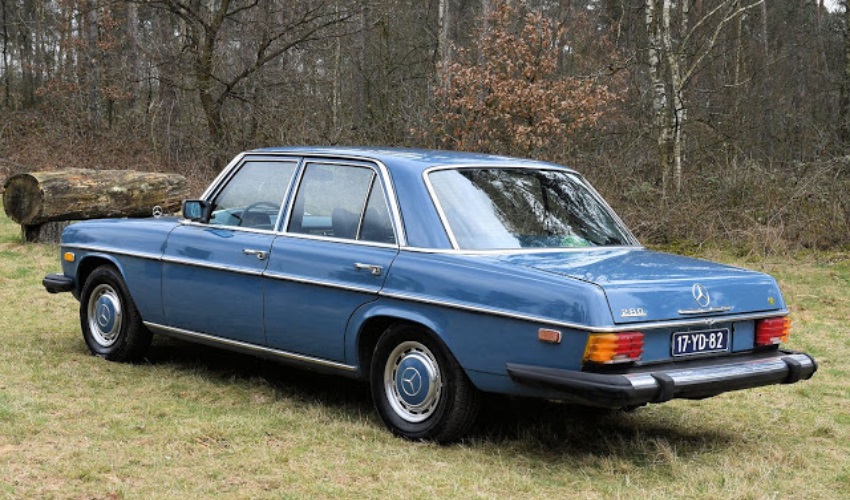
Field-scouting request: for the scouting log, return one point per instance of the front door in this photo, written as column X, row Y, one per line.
column 212, row 273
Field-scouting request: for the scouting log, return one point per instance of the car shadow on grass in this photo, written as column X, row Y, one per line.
column 531, row 426
column 553, row 428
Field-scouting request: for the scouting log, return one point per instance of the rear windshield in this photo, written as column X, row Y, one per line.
column 505, row 208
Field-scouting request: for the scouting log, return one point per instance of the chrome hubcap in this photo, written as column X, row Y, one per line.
column 412, row 381
column 104, row 315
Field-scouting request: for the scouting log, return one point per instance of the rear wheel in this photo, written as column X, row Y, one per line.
column 420, row 390
column 111, row 325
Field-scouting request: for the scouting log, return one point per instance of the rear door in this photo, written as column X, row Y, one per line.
column 339, row 243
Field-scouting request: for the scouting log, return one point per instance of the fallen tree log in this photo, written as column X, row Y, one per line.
column 35, row 198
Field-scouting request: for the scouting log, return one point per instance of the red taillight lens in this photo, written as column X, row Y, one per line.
column 772, row 331
column 611, row 348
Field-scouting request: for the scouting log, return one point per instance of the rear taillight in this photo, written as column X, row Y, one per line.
column 609, row 348
column 772, row 331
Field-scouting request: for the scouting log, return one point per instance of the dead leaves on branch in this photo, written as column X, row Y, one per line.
column 508, row 94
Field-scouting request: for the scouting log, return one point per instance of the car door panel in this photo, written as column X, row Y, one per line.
column 212, row 279
column 314, row 287
column 337, row 250
column 211, row 285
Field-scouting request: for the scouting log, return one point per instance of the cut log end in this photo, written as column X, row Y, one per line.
column 22, row 198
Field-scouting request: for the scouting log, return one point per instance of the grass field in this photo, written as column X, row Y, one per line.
column 194, row 422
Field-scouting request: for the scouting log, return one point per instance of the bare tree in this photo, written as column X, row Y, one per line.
column 293, row 25
column 677, row 52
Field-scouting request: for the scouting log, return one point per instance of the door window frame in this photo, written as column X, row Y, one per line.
column 378, row 179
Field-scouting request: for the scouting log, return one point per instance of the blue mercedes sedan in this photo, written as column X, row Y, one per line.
column 434, row 276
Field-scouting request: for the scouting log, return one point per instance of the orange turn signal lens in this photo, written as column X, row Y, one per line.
column 772, row 331
column 611, row 348
column 549, row 336
column 69, row 256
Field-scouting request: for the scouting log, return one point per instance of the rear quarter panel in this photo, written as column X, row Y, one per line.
column 487, row 314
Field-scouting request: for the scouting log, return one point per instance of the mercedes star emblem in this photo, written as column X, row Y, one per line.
column 701, row 295
column 411, row 381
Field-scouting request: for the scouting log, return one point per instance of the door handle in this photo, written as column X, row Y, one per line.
column 372, row 268
column 261, row 254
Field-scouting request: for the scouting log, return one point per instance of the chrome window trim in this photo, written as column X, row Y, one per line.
column 220, row 180
column 378, row 170
column 303, row 158
column 331, row 239
column 323, row 283
column 212, row 339
column 577, row 326
column 365, row 206
column 519, row 166
column 341, row 158
column 113, row 250
column 224, row 177
column 188, row 222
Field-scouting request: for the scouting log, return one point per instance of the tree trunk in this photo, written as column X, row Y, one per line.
column 845, row 84
column 32, row 199
column 7, row 77
column 660, row 103
column 676, row 134
column 93, row 68
column 444, row 41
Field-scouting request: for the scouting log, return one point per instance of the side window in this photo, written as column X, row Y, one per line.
column 253, row 195
column 377, row 225
column 342, row 202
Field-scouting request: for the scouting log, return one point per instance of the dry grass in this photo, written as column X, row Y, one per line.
column 194, row 422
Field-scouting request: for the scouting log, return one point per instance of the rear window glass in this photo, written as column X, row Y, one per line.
column 504, row 208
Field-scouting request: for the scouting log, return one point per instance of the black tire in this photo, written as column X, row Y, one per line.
column 419, row 389
column 111, row 325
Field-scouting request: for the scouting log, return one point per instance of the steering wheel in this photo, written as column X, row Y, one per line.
column 255, row 207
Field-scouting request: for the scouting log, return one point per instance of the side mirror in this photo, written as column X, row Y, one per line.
column 197, row 210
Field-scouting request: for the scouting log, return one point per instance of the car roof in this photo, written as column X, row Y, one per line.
column 412, row 159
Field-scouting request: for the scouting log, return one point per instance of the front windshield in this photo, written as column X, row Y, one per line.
column 506, row 208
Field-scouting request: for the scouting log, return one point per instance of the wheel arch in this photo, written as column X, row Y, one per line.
column 370, row 325
column 88, row 264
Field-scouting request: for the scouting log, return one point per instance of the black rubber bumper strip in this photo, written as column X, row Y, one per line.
column 657, row 384
column 57, row 283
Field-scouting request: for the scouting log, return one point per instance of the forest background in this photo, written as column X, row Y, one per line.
column 701, row 121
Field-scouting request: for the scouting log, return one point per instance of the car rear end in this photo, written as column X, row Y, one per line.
column 691, row 359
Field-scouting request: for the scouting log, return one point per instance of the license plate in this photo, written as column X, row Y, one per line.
column 702, row 342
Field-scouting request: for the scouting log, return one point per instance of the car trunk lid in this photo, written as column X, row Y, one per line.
column 642, row 285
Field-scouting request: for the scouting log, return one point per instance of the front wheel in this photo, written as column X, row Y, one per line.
column 111, row 325
column 420, row 390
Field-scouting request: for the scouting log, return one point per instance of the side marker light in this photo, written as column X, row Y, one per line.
column 549, row 336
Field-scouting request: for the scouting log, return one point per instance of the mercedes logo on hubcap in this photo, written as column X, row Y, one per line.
column 103, row 315
column 411, row 381
column 701, row 295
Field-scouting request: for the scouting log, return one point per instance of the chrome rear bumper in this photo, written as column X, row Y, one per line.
column 655, row 384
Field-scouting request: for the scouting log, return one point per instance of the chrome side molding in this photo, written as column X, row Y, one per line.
column 257, row 350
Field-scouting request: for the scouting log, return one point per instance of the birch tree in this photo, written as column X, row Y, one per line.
column 676, row 50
